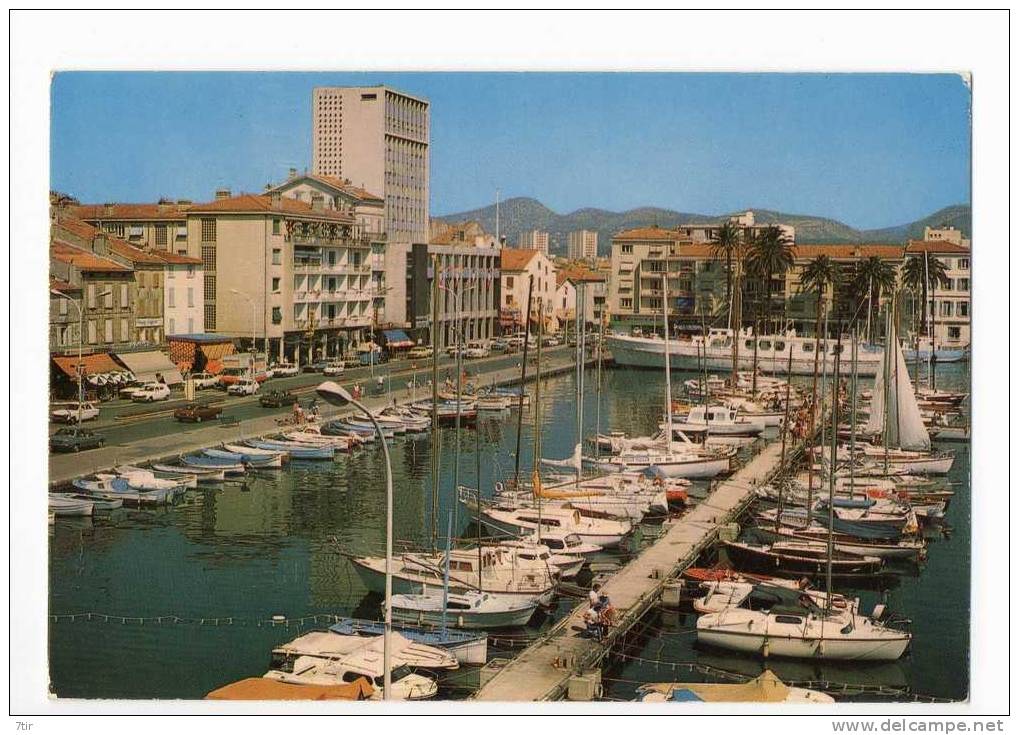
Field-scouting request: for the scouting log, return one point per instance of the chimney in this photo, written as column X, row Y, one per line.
column 100, row 245
column 222, row 194
column 275, row 199
column 108, row 209
column 292, row 174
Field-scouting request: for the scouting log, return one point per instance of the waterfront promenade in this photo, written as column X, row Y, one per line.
column 543, row 670
column 163, row 438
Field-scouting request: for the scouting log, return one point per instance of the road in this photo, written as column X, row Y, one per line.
column 135, row 432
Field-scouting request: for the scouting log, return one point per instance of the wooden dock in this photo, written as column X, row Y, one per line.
column 543, row 670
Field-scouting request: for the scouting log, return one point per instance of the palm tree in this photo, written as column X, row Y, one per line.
column 769, row 255
column 725, row 245
column 816, row 277
column 871, row 277
column 918, row 276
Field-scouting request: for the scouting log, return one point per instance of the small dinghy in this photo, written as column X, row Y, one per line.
column 118, row 489
column 66, row 505
column 294, row 449
column 256, row 461
column 467, row 610
column 229, row 466
column 201, row 474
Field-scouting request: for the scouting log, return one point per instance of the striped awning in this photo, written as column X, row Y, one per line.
column 151, row 365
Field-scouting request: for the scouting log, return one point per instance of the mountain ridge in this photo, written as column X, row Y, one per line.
column 521, row 214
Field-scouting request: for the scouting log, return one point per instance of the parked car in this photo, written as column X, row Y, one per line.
column 197, row 412
column 205, row 380
column 377, row 358
column 68, row 413
column 501, row 345
column 276, row 399
column 284, row 369
column 353, row 361
column 128, row 390
column 421, row 352
column 477, row 349
column 243, row 387
column 551, row 341
column 314, row 367
column 333, row 368
column 232, row 375
column 151, row 392
column 74, row 439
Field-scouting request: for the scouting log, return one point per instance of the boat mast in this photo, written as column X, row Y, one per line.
column 436, row 432
column 704, row 373
column 852, row 417
column 597, row 407
column 536, row 472
column 457, row 296
column 477, row 470
column 831, row 466
column 785, row 433
column 933, row 324
column 523, row 377
column 578, row 333
column 445, row 573
column 887, row 376
column 668, row 369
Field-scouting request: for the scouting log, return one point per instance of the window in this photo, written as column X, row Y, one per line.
column 170, row 292
column 124, row 331
column 332, row 258
column 191, row 325
column 170, row 273
column 808, row 346
column 91, row 332
column 788, row 619
column 275, row 226
column 954, row 332
column 141, row 280
column 277, row 256
column 275, row 285
column 91, row 296
column 626, row 303
column 627, row 249
column 945, row 308
column 962, row 284
column 963, row 309
column 210, row 288
column 277, row 315
column 509, row 281
column 210, row 317
column 155, row 280
column 191, row 296
column 124, row 300
column 963, row 264
column 172, row 328
column 62, row 307
column 108, row 330
column 161, row 235
column 191, row 271
column 208, row 229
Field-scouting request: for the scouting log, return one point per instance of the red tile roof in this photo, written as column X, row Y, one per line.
column 247, row 203
column 577, row 274
column 137, row 212
column 514, row 260
column 935, row 246
column 118, row 246
column 345, row 186
column 84, row 260
column 178, row 259
column 850, row 251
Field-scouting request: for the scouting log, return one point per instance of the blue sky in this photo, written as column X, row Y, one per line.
column 870, row 150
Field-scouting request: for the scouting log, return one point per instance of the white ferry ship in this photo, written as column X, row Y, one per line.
column 772, row 352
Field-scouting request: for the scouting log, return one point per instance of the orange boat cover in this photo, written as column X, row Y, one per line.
column 257, row 688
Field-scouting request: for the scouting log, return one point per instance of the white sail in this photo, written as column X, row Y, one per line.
column 876, row 420
column 903, row 421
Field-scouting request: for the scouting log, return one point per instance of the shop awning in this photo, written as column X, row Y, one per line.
column 91, row 364
column 147, row 365
column 397, row 339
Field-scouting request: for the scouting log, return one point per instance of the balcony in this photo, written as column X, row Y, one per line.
column 316, row 241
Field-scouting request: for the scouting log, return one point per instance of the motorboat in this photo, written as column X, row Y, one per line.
column 718, row 420
column 65, row 505
column 796, row 557
column 520, row 521
column 503, row 573
column 567, row 542
column 690, row 463
column 326, row 657
column 468, row 647
column 145, row 480
column 119, row 490
column 188, row 480
column 765, row 688
column 467, row 610
column 566, row 566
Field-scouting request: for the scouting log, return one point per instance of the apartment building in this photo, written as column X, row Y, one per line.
column 161, row 226
column 945, row 234
column 577, row 285
column 377, row 138
column 102, row 287
column 696, row 282
column 582, row 245
column 183, row 294
column 706, row 232
column 521, row 270
column 949, row 303
column 468, row 278
column 288, row 272
column 533, row 240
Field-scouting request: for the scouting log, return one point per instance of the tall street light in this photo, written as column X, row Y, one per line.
column 336, row 395
column 81, row 337
column 251, row 365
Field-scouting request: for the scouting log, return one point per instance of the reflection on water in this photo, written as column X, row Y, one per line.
column 275, row 543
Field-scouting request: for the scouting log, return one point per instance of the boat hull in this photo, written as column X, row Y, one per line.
column 878, row 649
column 465, row 620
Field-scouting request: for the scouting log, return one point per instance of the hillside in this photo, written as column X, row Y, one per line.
column 523, row 213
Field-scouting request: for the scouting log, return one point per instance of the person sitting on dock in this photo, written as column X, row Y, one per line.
column 593, row 595
column 606, row 614
column 298, row 412
column 592, row 623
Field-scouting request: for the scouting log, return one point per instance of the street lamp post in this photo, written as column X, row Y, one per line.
column 81, row 337
column 334, row 394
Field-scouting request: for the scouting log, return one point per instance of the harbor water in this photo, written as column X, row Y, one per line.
column 200, row 592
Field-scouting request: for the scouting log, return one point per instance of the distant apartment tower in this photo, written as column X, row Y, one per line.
column 582, row 244
column 945, row 234
column 534, row 240
column 377, row 138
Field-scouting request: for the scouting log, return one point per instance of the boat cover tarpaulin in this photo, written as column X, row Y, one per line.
column 146, row 365
column 268, row 689
column 91, row 364
column 397, row 339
